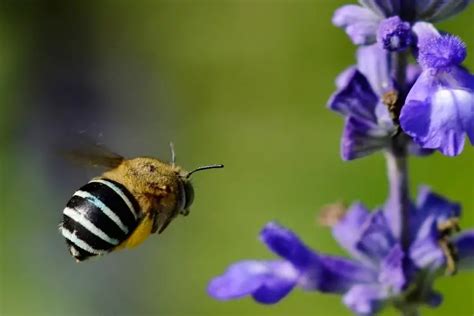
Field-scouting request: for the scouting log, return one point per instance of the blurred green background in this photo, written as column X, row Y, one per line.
column 242, row 83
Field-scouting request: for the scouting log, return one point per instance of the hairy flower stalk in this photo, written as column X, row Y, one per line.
column 397, row 251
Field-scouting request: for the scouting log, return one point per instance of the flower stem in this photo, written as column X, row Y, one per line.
column 399, row 202
column 399, row 68
column 397, row 165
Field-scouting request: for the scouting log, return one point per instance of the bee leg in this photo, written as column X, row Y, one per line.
column 184, row 212
column 156, row 225
column 165, row 224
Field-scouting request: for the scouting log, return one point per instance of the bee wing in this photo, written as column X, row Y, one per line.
column 92, row 153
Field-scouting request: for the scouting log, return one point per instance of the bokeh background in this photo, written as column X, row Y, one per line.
column 242, row 83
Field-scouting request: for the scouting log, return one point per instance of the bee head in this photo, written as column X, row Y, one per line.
column 188, row 190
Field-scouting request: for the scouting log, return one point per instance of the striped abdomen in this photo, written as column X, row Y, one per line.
column 98, row 217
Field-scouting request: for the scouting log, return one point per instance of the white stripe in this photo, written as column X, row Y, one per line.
column 107, row 211
column 79, row 242
column 119, row 192
column 81, row 219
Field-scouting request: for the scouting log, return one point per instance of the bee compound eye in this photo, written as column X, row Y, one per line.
column 189, row 196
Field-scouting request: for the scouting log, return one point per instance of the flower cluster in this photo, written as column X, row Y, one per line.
column 380, row 271
column 398, row 250
column 434, row 101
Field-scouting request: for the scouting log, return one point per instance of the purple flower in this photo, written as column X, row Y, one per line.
column 361, row 22
column 368, row 126
column 362, row 98
column 439, row 109
column 381, row 272
column 362, row 134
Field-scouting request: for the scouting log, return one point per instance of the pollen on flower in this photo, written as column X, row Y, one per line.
column 441, row 52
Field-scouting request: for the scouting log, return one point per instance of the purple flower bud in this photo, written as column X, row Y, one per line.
column 441, row 52
column 434, row 299
column 394, row 34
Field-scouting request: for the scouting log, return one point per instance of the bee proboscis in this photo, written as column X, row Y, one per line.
column 132, row 199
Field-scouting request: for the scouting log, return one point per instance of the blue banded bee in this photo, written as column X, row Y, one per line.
column 132, row 199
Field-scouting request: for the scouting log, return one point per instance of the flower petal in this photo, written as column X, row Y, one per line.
column 347, row 230
column 384, row 119
column 414, row 120
column 358, row 22
column 373, row 63
column 376, row 238
column 424, row 32
column 446, row 128
column 464, row 243
column 343, row 79
column 383, row 8
column 417, row 150
column 425, row 252
column 431, row 211
column 362, row 138
column 439, row 111
column 277, row 285
column 391, row 273
column 423, row 88
column 432, row 204
column 269, row 281
column 413, row 72
column 287, row 245
column 356, row 99
column 317, row 272
column 335, row 275
column 365, row 299
column 436, row 10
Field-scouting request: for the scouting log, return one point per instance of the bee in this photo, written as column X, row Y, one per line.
column 132, row 199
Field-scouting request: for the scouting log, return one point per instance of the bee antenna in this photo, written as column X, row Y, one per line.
column 203, row 168
column 173, row 154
